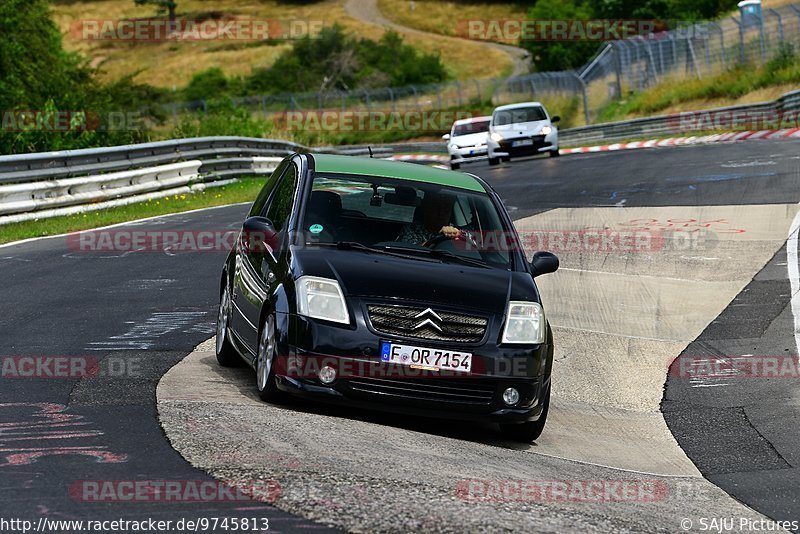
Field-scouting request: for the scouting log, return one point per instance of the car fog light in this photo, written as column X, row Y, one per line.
column 327, row 375
column 511, row 396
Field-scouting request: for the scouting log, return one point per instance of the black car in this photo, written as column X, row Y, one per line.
column 391, row 286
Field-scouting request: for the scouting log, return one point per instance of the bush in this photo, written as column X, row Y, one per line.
column 210, row 84
column 223, row 118
column 335, row 60
column 39, row 76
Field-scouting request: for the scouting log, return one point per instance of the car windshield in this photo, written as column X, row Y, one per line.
column 518, row 115
column 402, row 216
column 470, row 128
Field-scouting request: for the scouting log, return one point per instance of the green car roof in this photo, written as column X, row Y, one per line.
column 394, row 169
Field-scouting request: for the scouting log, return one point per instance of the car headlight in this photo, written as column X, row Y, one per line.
column 546, row 130
column 321, row 298
column 496, row 137
column 525, row 323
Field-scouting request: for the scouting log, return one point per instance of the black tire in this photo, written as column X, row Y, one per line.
column 494, row 161
column 265, row 378
column 226, row 353
column 455, row 166
column 554, row 153
column 529, row 431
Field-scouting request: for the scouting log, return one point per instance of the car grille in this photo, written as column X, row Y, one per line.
column 406, row 320
column 441, row 389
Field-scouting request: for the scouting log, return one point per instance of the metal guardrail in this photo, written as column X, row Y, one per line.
column 68, row 163
column 42, row 195
column 669, row 125
column 48, row 184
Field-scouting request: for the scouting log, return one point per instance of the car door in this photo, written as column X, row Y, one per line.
column 256, row 262
column 241, row 327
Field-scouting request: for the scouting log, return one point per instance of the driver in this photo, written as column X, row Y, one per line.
column 436, row 212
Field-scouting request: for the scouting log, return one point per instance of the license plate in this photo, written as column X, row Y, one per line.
column 426, row 358
column 522, row 142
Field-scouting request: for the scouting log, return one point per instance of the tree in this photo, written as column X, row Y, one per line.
column 163, row 5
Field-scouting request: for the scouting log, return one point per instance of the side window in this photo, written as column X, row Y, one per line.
column 258, row 206
column 280, row 206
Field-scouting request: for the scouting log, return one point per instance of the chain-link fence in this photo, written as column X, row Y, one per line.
column 619, row 67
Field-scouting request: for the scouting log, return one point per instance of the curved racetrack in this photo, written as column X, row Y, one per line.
column 690, row 448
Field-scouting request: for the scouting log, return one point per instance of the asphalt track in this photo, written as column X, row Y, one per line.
column 619, row 320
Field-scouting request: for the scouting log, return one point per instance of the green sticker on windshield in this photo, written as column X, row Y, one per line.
column 315, row 228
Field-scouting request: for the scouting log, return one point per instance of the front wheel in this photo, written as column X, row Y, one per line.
column 554, row 153
column 265, row 372
column 494, row 161
column 455, row 166
column 528, row 431
column 226, row 353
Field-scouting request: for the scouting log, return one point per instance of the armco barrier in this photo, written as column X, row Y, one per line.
column 35, row 196
column 55, row 183
column 666, row 125
column 64, row 164
column 47, row 184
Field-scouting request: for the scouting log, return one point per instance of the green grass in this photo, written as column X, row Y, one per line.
column 245, row 190
column 735, row 83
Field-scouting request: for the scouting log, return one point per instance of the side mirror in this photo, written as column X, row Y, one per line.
column 446, row 137
column 258, row 235
column 544, row 263
column 555, row 118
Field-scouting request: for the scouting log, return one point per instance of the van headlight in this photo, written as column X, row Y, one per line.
column 525, row 323
column 546, row 130
column 321, row 298
column 496, row 137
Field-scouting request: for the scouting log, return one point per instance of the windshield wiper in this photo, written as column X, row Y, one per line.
column 355, row 245
column 441, row 255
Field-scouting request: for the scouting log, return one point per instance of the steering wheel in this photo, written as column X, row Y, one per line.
column 440, row 238
column 435, row 241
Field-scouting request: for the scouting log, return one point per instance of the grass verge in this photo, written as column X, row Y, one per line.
column 244, row 190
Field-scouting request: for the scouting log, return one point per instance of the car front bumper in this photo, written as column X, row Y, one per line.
column 538, row 144
column 364, row 381
column 467, row 154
